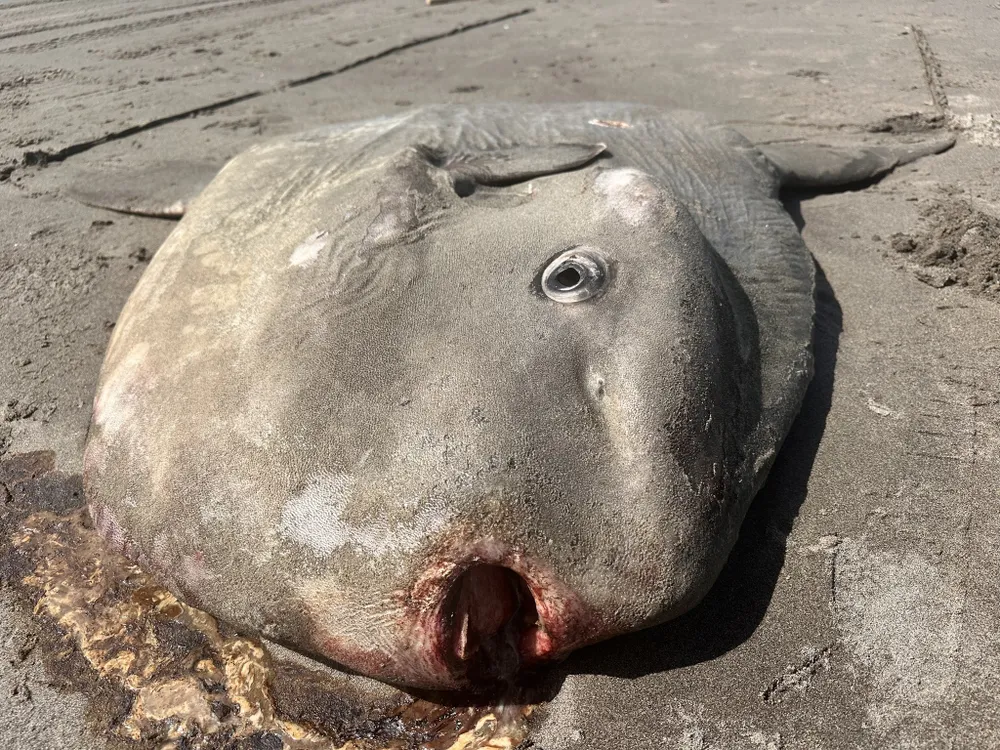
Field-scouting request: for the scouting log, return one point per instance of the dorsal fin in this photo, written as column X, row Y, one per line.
column 809, row 165
column 507, row 166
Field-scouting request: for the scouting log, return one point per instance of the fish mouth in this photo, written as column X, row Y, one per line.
column 489, row 625
column 481, row 619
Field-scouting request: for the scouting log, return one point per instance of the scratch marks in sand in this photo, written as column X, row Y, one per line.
column 982, row 128
column 900, row 614
column 797, row 678
column 932, row 71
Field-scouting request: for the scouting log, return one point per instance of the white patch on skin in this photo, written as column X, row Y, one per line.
column 633, row 195
column 616, row 180
column 395, row 218
column 623, row 418
column 314, row 518
column 610, row 124
column 114, row 404
column 306, row 253
column 213, row 297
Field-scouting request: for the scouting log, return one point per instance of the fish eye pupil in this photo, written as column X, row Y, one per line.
column 574, row 275
column 568, row 278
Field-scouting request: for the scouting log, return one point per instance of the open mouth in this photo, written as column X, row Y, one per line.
column 491, row 624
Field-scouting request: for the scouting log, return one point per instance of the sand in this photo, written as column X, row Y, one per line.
column 861, row 607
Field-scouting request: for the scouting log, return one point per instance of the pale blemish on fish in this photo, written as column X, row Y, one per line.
column 115, row 402
column 623, row 418
column 315, row 518
column 619, row 124
column 211, row 297
column 634, row 196
column 307, row 252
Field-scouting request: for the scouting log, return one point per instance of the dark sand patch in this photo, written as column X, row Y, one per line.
column 960, row 245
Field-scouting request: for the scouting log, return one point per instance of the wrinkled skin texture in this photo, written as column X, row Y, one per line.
column 338, row 409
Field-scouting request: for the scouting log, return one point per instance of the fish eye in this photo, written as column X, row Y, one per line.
column 574, row 275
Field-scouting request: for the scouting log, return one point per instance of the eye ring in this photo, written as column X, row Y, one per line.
column 574, row 275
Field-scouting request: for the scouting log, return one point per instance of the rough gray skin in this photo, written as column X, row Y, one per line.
column 339, row 408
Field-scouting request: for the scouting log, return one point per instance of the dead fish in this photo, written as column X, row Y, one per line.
column 446, row 395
